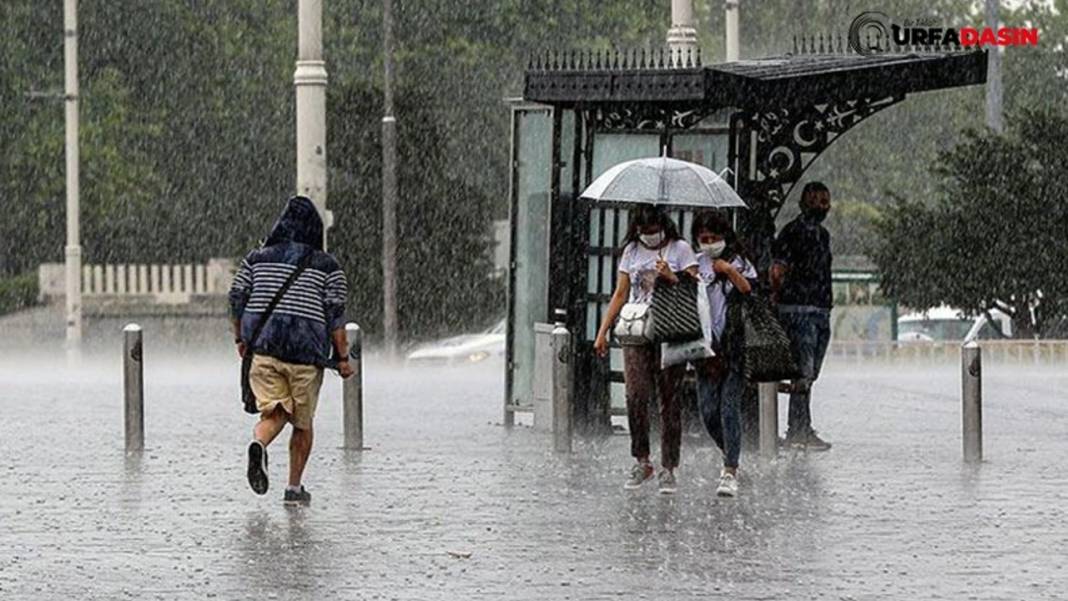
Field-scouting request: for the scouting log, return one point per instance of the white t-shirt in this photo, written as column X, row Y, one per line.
column 639, row 263
column 719, row 289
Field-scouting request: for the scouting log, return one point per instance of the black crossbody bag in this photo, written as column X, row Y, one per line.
column 248, row 398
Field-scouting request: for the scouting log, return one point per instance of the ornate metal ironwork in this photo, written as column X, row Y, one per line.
column 617, row 60
column 787, row 141
column 835, row 43
column 645, row 116
column 832, row 43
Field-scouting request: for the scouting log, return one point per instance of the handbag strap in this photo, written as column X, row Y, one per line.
column 301, row 266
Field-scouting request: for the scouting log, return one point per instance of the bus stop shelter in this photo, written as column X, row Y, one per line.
column 764, row 121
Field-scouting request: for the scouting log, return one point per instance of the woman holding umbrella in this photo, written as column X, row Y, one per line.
column 723, row 269
column 653, row 252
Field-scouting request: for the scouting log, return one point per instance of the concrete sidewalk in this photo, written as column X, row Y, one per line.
column 889, row 513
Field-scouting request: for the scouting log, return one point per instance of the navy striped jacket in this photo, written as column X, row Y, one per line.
column 298, row 330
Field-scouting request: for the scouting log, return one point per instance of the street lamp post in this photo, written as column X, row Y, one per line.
column 993, row 74
column 682, row 37
column 732, row 30
column 310, row 80
column 389, row 190
column 73, row 250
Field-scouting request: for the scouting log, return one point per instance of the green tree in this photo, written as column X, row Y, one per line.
column 118, row 175
column 188, row 130
column 993, row 235
column 443, row 264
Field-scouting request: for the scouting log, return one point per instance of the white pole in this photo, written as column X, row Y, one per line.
column 389, row 189
column 73, row 250
column 352, row 391
column 310, row 82
column 732, row 30
column 769, row 419
column 682, row 37
column 993, row 74
column 561, row 407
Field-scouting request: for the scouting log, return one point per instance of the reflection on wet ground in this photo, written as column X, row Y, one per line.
column 447, row 504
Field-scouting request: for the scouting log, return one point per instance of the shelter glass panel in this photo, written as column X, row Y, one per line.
column 708, row 149
column 610, row 149
column 530, row 304
column 608, row 224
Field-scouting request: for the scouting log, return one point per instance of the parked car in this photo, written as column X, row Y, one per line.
column 463, row 349
column 949, row 324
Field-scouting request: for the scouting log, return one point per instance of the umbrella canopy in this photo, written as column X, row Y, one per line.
column 663, row 181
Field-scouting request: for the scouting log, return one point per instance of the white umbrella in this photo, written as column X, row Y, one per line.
column 663, row 181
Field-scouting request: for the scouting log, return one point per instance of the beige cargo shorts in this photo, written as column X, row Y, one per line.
column 294, row 387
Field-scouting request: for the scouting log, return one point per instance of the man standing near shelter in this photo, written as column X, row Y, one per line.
column 307, row 290
column 801, row 287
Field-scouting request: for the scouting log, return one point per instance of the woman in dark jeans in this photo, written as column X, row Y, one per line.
column 653, row 253
column 724, row 269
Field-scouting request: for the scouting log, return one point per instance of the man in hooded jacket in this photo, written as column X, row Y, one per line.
column 296, row 341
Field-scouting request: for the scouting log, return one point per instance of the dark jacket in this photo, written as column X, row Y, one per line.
column 804, row 247
column 298, row 331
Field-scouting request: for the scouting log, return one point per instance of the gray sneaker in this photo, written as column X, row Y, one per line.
column 728, row 485
column 808, row 442
column 815, row 443
column 638, row 475
column 668, row 486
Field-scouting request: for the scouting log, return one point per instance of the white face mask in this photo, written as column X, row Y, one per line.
column 652, row 240
column 715, row 249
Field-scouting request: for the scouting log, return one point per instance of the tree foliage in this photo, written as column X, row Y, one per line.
column 994, row 234
column 187, row 122
column 444, row 270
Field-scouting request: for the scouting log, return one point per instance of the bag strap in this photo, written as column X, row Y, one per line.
column 301, row 266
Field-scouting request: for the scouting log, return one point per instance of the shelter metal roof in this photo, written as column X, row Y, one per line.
column 570, row 78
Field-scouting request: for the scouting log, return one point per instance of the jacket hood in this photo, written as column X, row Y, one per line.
column 299, row 222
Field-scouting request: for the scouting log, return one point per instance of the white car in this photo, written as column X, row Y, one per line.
column 464, row 349
column 946, row 323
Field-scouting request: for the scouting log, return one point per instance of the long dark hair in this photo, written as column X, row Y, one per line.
column 717, row 223
column 648, row 214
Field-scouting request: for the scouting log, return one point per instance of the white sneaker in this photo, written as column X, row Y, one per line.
column 728, row 485
column 668, row 485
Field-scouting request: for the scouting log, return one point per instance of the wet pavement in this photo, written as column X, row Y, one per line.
column 447, row 504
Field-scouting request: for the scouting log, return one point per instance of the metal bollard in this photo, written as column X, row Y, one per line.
column 972, row 401
column 769, row 419
column 561, row 346
column 352, row 390
column 134, row 387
